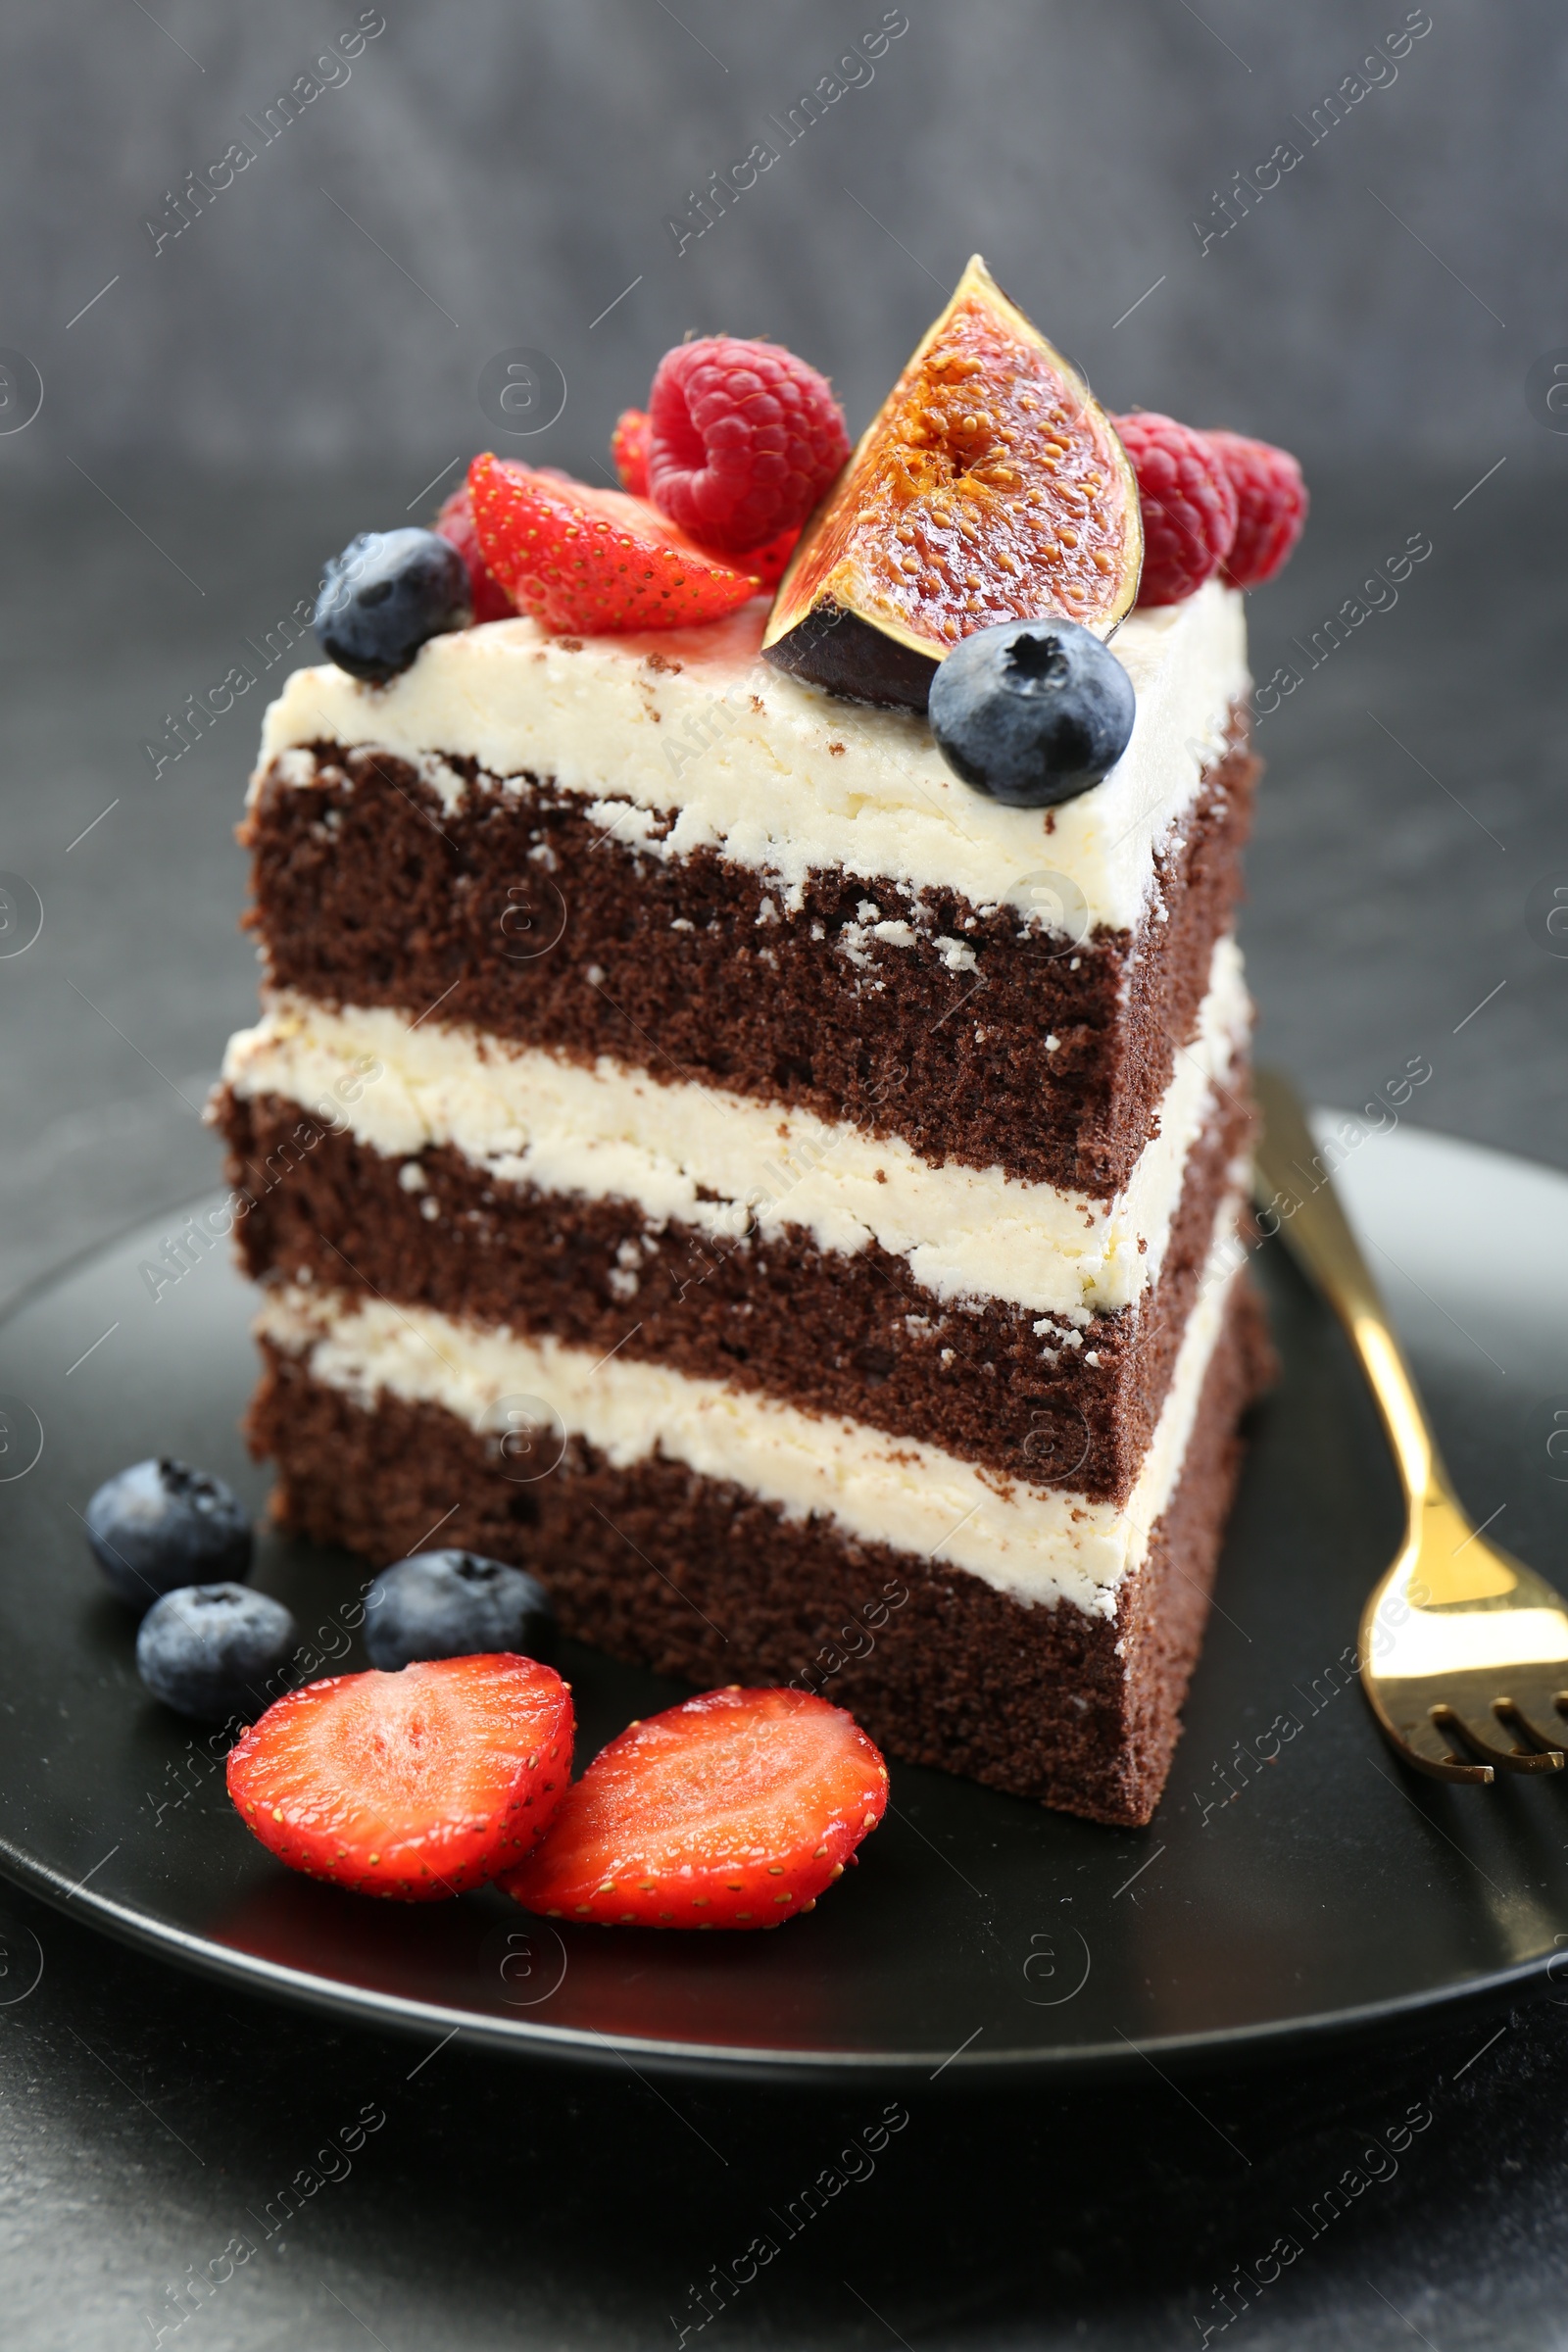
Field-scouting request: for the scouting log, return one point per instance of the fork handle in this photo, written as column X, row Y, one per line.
column 1296, row 1198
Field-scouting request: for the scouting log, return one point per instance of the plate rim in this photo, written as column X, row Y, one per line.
column 524, row 2039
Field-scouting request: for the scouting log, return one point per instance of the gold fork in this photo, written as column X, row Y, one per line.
column 1464, row 1650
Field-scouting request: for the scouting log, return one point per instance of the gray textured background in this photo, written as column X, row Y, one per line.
column 517, row 162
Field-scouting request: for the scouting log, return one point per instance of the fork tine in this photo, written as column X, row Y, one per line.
column 1481, row 1740
column 1509, row 1712
column 1432, row 1750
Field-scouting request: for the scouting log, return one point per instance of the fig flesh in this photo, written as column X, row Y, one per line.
column 990, row 487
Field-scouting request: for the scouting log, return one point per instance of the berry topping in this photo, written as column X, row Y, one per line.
column 1033, row 712
column 456, row 522
column 734, row 1810
column 743, row 439
column 448, row 1605
column 989, row 487
column 595, row 562
column 385, row 595
column 628, row 446
column 215, row 1651
column 770, row 561
column 415, row 1784
column 1271, row 505
column 1189, row 504
column 160, row 1524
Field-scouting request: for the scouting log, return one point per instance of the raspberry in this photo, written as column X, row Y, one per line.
column 628, row 446
column 1189, row 504
column 1271, row 499
column 743, row 440
column 594, row 562
column 456, row 522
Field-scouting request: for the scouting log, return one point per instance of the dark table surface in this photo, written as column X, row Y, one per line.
column 1415, row 799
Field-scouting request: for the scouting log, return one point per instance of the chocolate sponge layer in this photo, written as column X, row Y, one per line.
column 698, row 1578
column 518, row 914
column 838, row 1335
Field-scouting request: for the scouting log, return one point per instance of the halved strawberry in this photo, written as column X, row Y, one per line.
column 456, row 522
column 415, row 1784
column 628, row 446
column 733, row 1810
column 598, row 562
column 770, row 561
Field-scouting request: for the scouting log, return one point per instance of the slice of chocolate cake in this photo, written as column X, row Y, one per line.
column 696, row 1147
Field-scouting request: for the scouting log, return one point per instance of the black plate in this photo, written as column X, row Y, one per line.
column 1294, row 1878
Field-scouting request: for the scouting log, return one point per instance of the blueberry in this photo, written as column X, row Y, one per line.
column 217, row 1651
column 453, row 1604
column 1033, row 712
column 160, row 1524
column 385, row 595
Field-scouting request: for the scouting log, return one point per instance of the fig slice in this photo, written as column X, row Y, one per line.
column 990, row 487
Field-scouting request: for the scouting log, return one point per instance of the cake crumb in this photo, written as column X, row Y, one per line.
column 836, row 750
column 758, row 703
column 570, row 644
column 956, row 953
column 412, row 1177
column 681, row 923
column 663, row 661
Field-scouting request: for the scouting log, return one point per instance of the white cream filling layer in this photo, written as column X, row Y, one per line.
column 607, row 1131
column 1038, row 1543
column 780, row 777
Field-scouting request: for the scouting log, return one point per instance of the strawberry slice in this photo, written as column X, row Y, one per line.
column 456, row 522
column 733, row 1810
column 628, row 446
column 595, row 562
column 415, row 1784
column 770, row 561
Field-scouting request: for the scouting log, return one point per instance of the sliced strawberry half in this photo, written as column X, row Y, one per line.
column 628, row 446
column 733, row 1810
column 595, row 562
column 456, row 522
column 770, row 561
column 415, row 1784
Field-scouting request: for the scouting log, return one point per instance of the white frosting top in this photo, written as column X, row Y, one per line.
column 691, row 725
